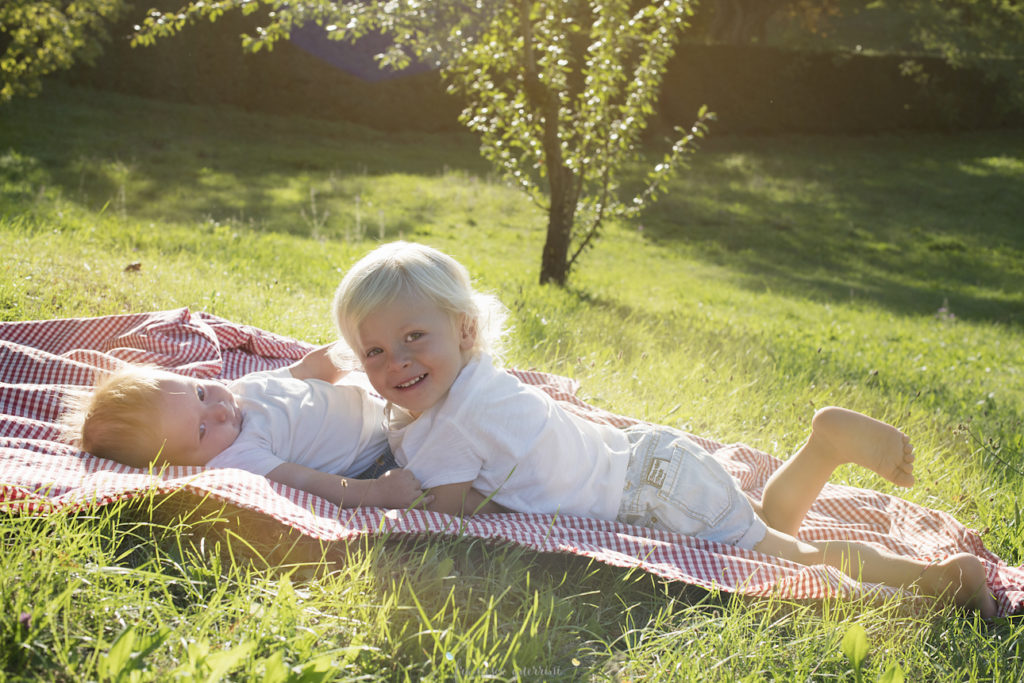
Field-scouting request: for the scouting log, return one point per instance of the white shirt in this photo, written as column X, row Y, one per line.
column 334, row 428
column 513, row 441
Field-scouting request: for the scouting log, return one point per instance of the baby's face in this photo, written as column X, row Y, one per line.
column 197, row 420
column 412, row 351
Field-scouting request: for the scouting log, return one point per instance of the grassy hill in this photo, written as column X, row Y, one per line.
column 880, row 273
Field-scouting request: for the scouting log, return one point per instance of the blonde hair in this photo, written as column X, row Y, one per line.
column 409, row 269
column 118, row 419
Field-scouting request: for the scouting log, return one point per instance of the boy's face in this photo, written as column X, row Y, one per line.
column 412, row 351
column 197, row 419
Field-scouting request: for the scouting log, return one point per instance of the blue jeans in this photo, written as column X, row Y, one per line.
column 673, row 484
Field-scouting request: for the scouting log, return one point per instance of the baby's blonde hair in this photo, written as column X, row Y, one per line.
column 118, row 419
column 408, row 269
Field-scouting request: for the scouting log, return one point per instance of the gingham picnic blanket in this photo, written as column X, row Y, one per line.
column 41, row 361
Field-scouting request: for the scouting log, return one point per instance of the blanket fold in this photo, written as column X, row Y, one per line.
column 42, row 362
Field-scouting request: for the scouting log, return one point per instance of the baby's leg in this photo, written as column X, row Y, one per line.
column 838, row 436
column 960, row 579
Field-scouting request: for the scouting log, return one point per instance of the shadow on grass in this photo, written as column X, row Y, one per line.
column 909, row 223
column 435, row 580
column 184, row 163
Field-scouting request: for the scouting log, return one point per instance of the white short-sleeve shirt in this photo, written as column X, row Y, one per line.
column 513, row 441
column 334, row 428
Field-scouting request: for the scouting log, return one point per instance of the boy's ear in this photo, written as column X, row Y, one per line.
column 467, row 333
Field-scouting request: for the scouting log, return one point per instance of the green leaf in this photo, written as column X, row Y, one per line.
column 274, row 669
column 855, row 646
column 894, row 674
column 115, row 662
column 221, row 663
column 323, row 668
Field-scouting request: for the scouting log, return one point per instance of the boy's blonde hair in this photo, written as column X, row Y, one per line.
column 118, row 420
column 408, row 269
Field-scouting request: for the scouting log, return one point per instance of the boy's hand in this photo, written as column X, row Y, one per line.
column 397, row 489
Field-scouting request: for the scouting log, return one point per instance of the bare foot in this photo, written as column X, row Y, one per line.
column 962, row 580
column 851, row 437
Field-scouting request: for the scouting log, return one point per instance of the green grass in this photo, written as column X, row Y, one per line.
column 880, row 273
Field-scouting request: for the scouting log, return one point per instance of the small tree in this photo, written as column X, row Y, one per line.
column 40, row 37
column 559, row 91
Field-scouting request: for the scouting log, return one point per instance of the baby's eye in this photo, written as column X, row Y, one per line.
column 413, row 336
column 202, row 431
column 370, row 353
column 201, row 392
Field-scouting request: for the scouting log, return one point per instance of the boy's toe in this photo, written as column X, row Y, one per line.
column 903, row 478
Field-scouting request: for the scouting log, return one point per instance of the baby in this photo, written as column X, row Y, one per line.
column 295, row 426
column 482, row 441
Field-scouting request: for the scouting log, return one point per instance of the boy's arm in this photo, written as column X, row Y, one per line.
column 462, row 500
column 393, row 489
column 319, row 364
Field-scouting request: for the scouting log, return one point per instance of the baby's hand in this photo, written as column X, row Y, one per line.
column 399, row 489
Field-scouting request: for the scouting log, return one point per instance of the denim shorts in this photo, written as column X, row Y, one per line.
column 673, row 484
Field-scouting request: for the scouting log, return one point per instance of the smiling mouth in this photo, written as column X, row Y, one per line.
column 411, row 383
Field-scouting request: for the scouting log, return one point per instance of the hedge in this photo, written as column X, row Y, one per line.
column 753, row 90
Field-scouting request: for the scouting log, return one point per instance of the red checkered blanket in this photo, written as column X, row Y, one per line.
column 41, row 361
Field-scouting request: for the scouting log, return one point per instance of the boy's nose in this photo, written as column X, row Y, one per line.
column 400, row 359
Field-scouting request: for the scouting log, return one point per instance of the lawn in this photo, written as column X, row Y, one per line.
column 884, row 273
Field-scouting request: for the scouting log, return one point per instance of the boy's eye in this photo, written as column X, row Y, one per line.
column 202, row 431
column 200, row 392
column 413, row 336
column 370, row 353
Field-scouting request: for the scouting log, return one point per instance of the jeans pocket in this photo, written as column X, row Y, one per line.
column 696, row 484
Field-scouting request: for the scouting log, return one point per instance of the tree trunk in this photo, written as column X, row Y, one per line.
column 554, row 262
column 563, row 193
column 562, row 189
